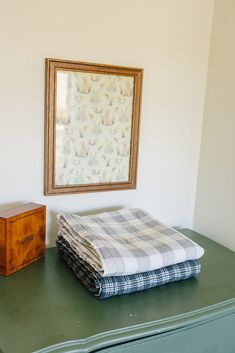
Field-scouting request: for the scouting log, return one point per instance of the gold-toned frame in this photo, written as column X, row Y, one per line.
column 50, row 100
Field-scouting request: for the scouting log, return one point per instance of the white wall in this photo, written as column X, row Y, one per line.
column 169, row 39
column 214, row 211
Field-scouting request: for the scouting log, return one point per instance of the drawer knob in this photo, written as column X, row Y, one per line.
column 27, row 239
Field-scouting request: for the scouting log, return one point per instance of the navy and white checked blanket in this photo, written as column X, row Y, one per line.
column 126, row 241
column 105, row 287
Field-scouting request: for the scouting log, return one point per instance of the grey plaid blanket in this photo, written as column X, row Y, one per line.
column 105, row 287
column 126, row 241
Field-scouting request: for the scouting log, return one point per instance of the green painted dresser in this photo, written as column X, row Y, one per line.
column 44, row 308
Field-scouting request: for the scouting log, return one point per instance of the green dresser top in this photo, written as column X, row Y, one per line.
column 44, row 305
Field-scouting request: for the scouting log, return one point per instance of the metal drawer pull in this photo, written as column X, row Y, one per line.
column 27, row 239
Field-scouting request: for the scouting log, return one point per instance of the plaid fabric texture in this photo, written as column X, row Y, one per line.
column 105, row 287
column 126, row 241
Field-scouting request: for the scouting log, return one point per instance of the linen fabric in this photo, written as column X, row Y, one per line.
column 105, row 287
column 124, row 242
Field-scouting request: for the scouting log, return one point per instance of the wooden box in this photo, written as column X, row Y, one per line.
column 22, row 237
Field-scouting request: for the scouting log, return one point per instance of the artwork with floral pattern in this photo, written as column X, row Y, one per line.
column 93, row 127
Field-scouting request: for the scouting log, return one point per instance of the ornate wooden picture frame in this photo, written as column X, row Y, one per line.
column 92, row 115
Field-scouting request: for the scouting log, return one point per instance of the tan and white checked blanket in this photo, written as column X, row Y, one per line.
column 126, row 241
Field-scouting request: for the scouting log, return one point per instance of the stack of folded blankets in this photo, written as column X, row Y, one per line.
column 124, row 251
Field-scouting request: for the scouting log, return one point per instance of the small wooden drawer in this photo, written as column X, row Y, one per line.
column 22, row 237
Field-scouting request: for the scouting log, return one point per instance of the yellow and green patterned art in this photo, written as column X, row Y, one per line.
column 93, row 127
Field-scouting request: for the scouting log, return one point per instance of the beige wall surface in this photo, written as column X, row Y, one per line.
column 214, row 210
column 169, row 39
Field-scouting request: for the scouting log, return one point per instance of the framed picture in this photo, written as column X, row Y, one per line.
column 92, row 115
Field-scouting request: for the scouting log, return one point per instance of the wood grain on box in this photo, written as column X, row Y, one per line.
column 22, row 237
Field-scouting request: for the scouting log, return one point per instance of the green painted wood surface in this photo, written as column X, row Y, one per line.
column 216, row 336
column 45, row 305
